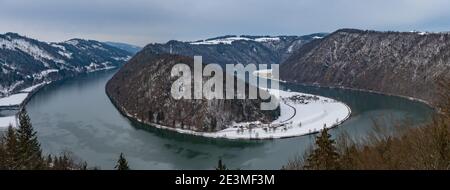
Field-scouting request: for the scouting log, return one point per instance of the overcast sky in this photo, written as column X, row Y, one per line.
column 144, row 21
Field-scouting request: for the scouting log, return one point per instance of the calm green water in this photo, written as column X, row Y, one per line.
column 75, row 115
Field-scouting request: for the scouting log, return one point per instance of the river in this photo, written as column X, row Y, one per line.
column 75, row 115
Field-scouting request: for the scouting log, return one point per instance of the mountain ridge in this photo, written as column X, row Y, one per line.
column 26, row 61
column 399, row 63
column 234, row 49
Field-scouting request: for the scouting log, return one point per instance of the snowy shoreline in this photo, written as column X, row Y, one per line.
column 300, row 114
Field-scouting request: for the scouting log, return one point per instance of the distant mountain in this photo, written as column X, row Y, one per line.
column 400, row 63
column 25, row 61
column 123, row 46
column 233, row 49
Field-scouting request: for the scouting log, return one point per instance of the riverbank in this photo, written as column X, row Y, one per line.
column 76, row 115
column 17, row 101
column 267, row 73
column 300, row 114
column 428, row 103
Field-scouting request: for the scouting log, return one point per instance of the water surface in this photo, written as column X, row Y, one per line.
column 76, row 115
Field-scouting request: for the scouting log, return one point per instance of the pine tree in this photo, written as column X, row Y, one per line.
column 324, row 156
column 122, row 163
column 11, row 149
column 2, row 154
column 29, row 147
column 64, row 162
column 220, row 165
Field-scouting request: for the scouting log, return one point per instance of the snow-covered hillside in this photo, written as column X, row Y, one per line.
column 399, row 63
column 233, row 49
column 231, row 39
column 25, row 61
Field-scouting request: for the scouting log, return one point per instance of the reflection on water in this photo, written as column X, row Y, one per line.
column 77, row 116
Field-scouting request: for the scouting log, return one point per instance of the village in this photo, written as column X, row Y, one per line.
column 301, row 114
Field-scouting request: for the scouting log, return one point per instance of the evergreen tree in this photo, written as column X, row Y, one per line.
column 56, row 163
column 49, row 161
column 29, row 147
column 20, row 149
column 220, row 165
column 11, row 148
column 64, row 162
column 122, row 163
column 324, row 156
column 2, row 154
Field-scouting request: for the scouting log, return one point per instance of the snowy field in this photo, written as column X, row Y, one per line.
column 13, row 100
column 6, row 121
column 300, row 114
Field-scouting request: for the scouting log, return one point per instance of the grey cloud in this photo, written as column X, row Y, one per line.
column 141, row 22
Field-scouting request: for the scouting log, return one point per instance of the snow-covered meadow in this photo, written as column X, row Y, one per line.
column 300, row 114
column 7, row 121
column 13, row 102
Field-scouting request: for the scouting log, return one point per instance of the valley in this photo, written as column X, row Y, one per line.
column 76, row 114
column 92, row 128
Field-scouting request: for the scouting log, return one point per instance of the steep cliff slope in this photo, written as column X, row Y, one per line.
column 404, row 64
